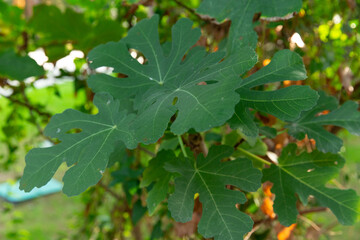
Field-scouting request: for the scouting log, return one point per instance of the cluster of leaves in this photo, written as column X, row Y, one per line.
column 181, row 89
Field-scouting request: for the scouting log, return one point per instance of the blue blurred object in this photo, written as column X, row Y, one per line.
column 12, row 193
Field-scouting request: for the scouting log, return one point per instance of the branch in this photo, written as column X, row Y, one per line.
column 148, row 152
column 202, row 17
column 303, row 212
column 27, row 102
column 29, row 106
column 107, row 189
column 268, row 220
column 182, row 146
column 254, row 157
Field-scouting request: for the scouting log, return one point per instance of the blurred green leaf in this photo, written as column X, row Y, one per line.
column 18, row 67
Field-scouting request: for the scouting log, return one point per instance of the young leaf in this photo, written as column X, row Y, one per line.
column 10, row 65
column 241, row 14
column 306, row 174
column 155, row 172
column 286, row 103
column 86, row 152
column 209, row 177
column 201, row 88
column 346, row 116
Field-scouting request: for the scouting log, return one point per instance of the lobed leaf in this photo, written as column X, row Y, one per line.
column 199, row 89
column 241, row 14
column 155, row 173
column 209, row 177
column 286, row 103
column 311, row 122
column 86, row 153
column 306, row 174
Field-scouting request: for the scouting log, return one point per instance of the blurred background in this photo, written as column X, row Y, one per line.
column 43, row 71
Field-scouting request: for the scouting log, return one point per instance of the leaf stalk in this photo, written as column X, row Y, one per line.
column 182, row 146
column 253, row 156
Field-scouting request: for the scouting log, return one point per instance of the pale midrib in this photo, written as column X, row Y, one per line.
column 223, row 175
column 303, row 163
column 76, row 144
column 212, row 198
column 88, row 121
column 124, row 87
column 202, row 106
column 84, row 169
column 309, row 129
column 214, row 72
column 274, row 100
column 186, row 190
column 174, row 59
column 316, row 190
column 329, row 122
column 132, row 69
column 153, row 50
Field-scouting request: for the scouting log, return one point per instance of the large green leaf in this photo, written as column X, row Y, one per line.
column 209, row 177
column 311, row 122
column 17, row 67
column 156, row 173
column 241, row 14
column 286, row 103
column 87, row 152
column 306, row 174
column 200, row 89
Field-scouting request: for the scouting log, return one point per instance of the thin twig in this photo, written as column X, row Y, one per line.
column 311, row 223
column 107, row 189
column 29, row 106
column 202, row 17
column 253, row 156
column 247, row 237
column 182, row 145
column 148, row 152
column 22, row 89
column 303, row 212
column 268, row 220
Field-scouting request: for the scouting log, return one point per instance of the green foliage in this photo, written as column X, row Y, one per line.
column 166, row 85
column 10, row 63
column 310, row 122
column 86, row 152
column 200, row 78
column 209, row 177
column 285, row 103
column 155, row 172
column 241, row 14
column 306, row 174
column 70, row 27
